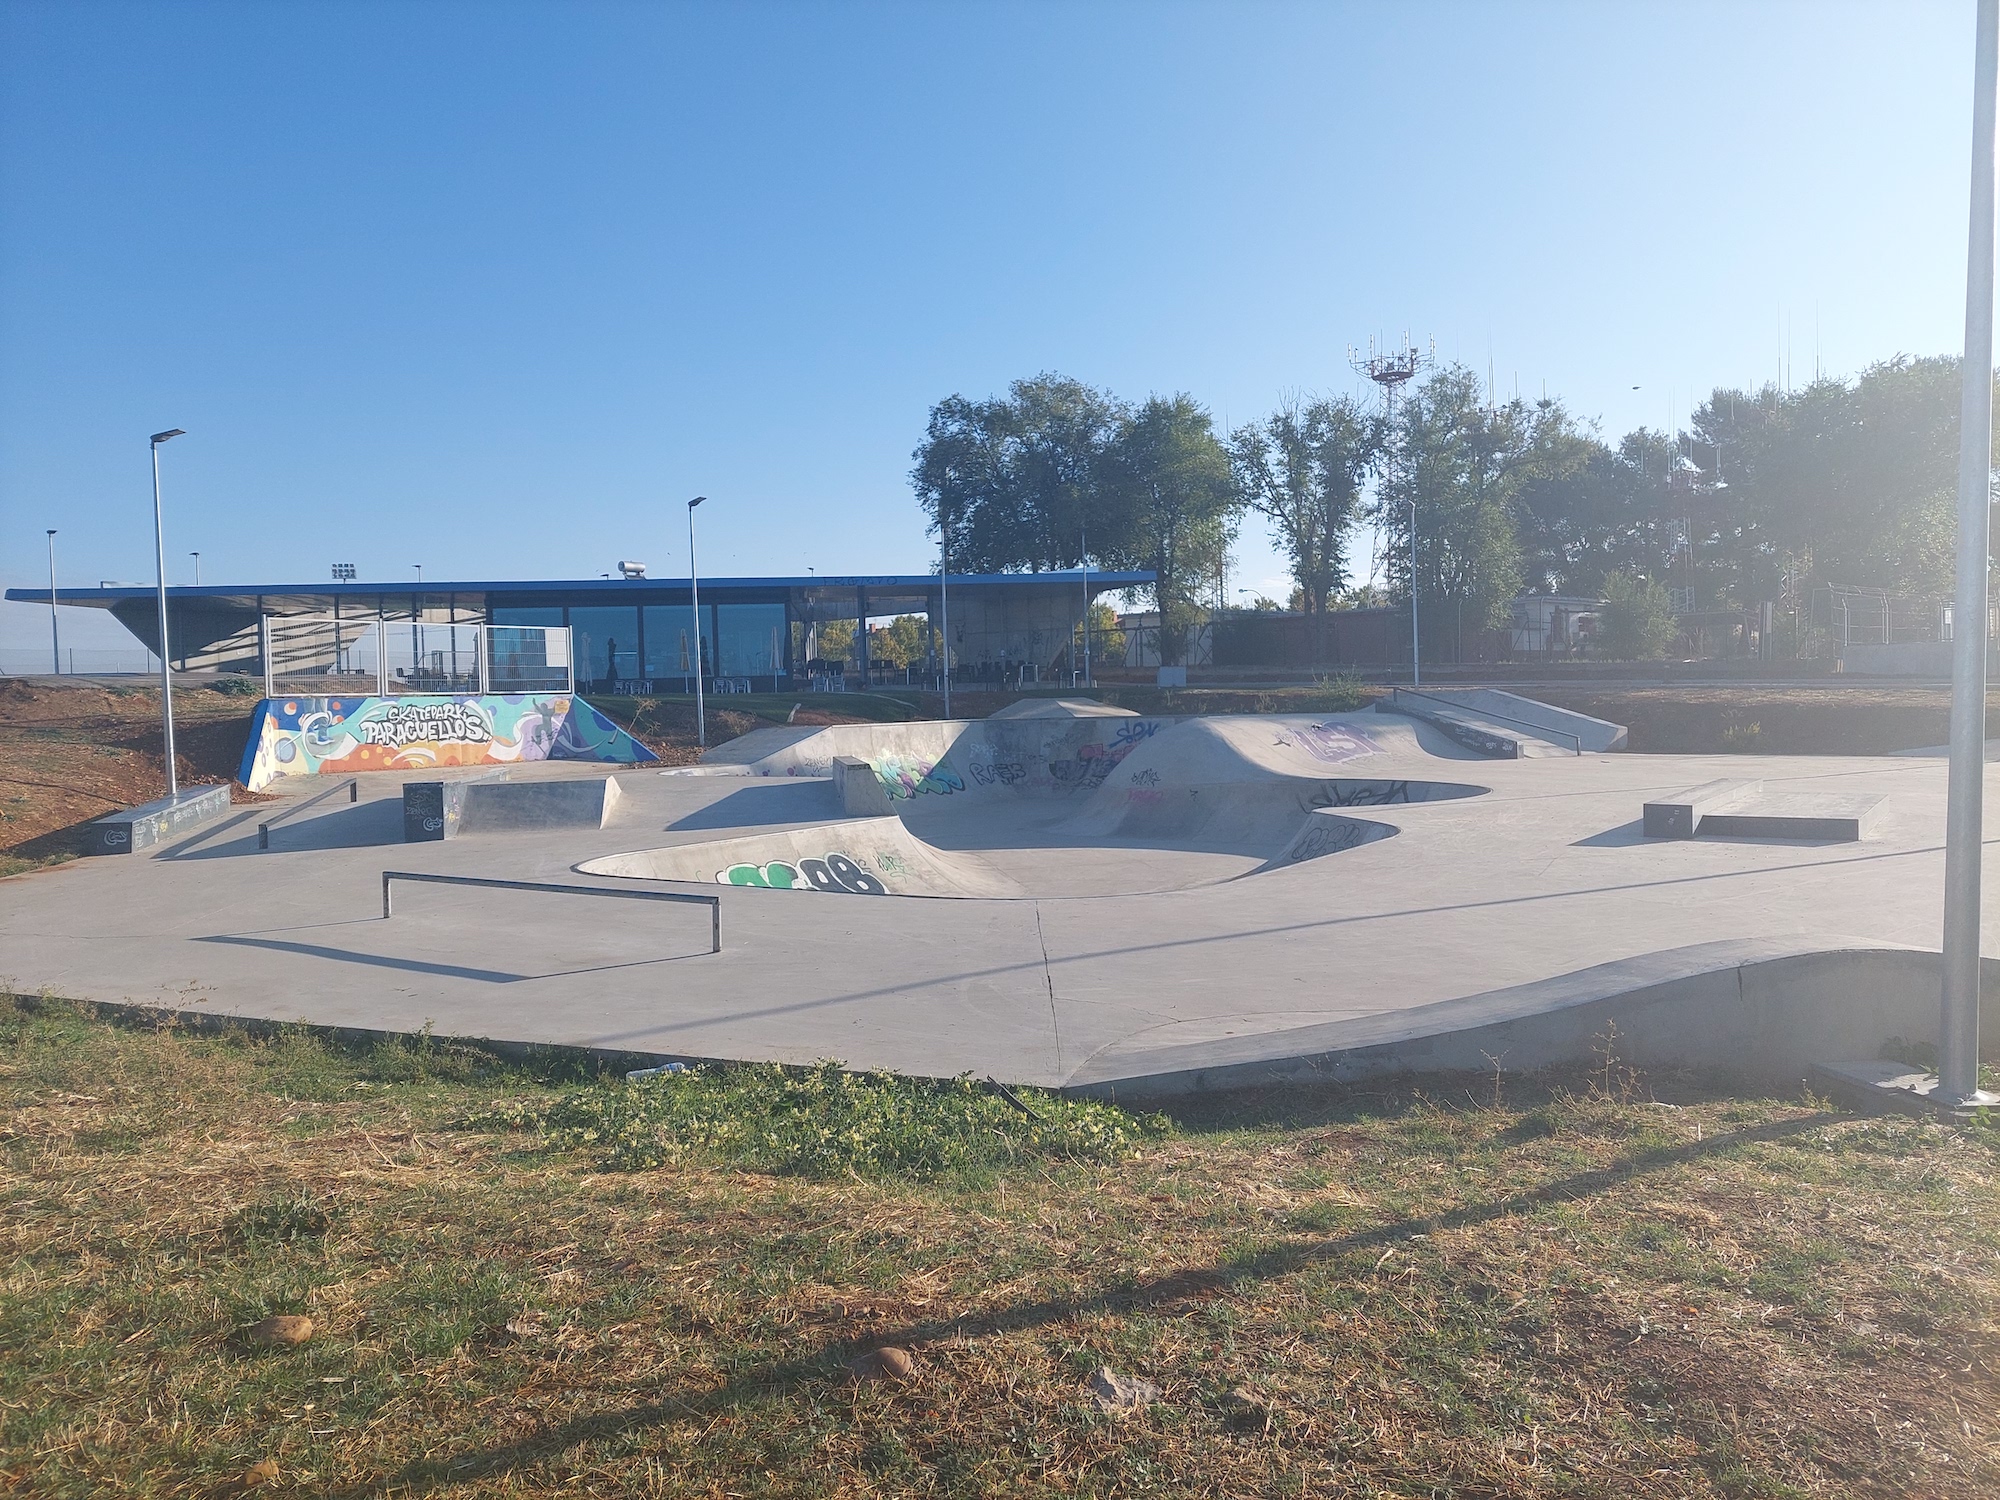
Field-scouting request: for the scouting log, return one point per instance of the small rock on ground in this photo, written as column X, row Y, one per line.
column 285, row 1331
column 888, row 1363
column 1120, row 1393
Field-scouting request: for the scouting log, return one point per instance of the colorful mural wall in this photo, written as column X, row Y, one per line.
column 340, row 736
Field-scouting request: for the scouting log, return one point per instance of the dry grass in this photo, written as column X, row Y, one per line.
column 1576, row 1291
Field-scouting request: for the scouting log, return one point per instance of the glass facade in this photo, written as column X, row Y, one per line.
column 670, row 639
column 604, row 642
column 504, row 615
column 749, row 640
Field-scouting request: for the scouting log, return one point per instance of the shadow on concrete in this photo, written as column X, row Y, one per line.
column 427, row 966
column 352, row 825
column 196, row 845
column 775, row 802
column 1191, row 1284
column 1625, row 835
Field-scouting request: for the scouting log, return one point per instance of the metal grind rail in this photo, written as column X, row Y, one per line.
column 352, row 786
column 1540, row 731
column 713, row 903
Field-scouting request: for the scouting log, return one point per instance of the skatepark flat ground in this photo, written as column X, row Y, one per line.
column 1542, row 881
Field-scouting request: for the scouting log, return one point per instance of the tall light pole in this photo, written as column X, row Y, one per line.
column 1964, row 827
column 416, row 627
column 1085, row 549
column 1391, row 369
column 160, row 558
column 944, row 596
column 1416, row 656
column 694, row 595
column 197, row 568
column 55, row 631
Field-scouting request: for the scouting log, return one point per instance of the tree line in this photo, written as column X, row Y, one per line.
column 1764, row 495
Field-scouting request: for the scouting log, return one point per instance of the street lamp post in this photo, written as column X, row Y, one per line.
column 55, row 631
column 1958, row 1028
column 197, row 568
column 1085, row 549
column 160, row 559
column 944, row 596
column 694, row 595
column 1416, row 656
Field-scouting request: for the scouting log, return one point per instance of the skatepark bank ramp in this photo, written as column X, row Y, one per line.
column 1047, row 806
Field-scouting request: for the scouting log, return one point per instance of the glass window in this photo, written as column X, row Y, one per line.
column 749, row 640
column 528, row 651
column 504, row 615
column 604, row 643
column 670, row 639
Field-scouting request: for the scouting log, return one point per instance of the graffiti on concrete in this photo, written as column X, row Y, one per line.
column 339, row 736
column 1359, row 793
column 1147, row 777
column 835, row 872
column 906, row 779
column 1086, row 769
column 1330, row 741
column 1326, row 836
column 1000, row 772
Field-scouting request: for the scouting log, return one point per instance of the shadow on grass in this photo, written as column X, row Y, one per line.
column 776, row 1377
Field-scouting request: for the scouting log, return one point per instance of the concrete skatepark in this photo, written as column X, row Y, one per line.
column 1068, row 897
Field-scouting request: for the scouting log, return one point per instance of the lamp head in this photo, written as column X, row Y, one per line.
column 52, row 531
column 696, row 501
column 160, row 437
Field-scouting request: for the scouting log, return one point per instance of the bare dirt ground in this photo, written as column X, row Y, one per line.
column 74, row 752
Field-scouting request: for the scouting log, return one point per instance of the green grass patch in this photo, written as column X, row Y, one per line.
column 821, row 1122
column 1518, row 1288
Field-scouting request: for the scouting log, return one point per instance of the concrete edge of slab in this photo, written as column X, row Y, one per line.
column 1764, row 1009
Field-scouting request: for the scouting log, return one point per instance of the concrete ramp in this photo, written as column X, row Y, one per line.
column 857, row 857
column 434, row 810
column 1504, row 726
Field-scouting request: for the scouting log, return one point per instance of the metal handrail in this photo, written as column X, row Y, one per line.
column 352, row 786
column 713, row 903
column 1487, row 713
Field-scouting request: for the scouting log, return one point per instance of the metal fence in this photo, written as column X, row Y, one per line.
column 80, row 661
column 321, row 655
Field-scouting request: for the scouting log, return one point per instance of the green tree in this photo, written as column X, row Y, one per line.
column 1016, row 479
column 1107, row 641
column 835, row 641
column 904, row 642
column 1466, row 467
column 1303, row 469
column 1637, row 620
column 1172, row 505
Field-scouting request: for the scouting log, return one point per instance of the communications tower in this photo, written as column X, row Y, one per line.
column 1391, row 370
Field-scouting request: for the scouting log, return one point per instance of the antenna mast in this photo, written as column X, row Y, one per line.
column 1391, row 370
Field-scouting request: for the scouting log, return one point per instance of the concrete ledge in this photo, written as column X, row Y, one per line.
column 1591, row 734
column 507, row 806
column 861, row 792
column 1678, row 816
column 1837, row 820
column 151, row 823
column 1479, row 738
column 434, row 810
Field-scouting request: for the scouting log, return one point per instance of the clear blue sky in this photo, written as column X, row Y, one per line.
column 493, row 288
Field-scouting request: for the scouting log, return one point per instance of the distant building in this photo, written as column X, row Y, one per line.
column 1552, row 624
column 627, row 634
